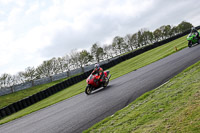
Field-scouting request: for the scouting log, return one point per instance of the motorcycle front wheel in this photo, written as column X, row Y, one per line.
column 88, row 90
column 106, row 82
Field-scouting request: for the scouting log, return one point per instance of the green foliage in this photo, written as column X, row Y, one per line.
column 183, row 26
column 157, row 34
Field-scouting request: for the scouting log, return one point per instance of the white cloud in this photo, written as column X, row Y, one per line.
column 2, row 25
column 14, row 15
column 5, row 2
column 2, row 12
column 6, row 47
column 20, row 3
column 34, row 7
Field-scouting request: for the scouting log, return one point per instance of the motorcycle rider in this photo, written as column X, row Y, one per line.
column 99, row 71
column 195, row 31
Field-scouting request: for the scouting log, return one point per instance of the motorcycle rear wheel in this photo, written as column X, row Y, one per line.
column 88, row 90
column 189, row 44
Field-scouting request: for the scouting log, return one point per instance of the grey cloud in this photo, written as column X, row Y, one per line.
column 101, row 26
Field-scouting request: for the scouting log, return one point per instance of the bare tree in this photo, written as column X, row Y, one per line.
column 55, row 65
column 74, row 55
column 4, row 78
column 60, row 63
column 97, row 52
column 173, row 31
column 46, row 69
column 29, row 74
column 67, row 63
column 135, row 40
column 20, row 77
column 7, row 80
column 119, row 45
column 144, row 37
column 166, row 31
column 84, row 58
column 147, row 37
column 108, row 51
column 128, row 40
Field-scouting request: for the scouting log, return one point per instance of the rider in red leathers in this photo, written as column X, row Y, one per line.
column 99, row 71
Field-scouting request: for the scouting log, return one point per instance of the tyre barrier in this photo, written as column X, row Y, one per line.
column 24, row 103
column 43, row 94
column 66, row 84
column 88, row 73
column 77, row 78
column 32, row 99
column 28, row 101
column 11, row 108
column 19, row 105
column 103, row 66
column 62, row 85
column 39, row 96
column 46, row 93
column 51, row 90
column 3, row 113
column 70, row 82
column 16, row 107
column 82, row 77
column 74, row 79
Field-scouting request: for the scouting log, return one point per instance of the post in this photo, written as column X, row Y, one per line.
column 175, row 48
column 12, row 89
column 32, row 82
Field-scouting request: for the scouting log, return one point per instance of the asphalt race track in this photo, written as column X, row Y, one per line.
column 81, row 112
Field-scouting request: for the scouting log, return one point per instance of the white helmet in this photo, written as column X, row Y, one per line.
column 193, row 28
column 97, row 66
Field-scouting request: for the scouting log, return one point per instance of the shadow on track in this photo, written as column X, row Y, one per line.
column 101, row 89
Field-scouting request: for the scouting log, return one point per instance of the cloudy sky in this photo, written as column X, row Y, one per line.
column 32, row 31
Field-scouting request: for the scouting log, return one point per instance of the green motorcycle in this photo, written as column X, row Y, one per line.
column 192, row 39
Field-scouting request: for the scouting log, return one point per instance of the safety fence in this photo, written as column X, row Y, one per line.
column 19, row 105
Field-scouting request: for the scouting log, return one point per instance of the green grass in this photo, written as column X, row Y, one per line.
column 172, row 107
column 116, row 71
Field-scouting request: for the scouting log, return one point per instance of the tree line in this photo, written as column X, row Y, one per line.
column 78, row 59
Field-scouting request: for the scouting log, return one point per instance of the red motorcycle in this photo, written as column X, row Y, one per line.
column 94, row 83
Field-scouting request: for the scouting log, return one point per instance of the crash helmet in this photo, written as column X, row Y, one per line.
column 193, row 29
column 96, row 66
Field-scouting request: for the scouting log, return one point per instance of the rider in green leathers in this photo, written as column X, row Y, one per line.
column 195, row 31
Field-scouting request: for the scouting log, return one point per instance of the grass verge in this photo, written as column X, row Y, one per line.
column 8, row 99
column 172, row 107
column 116, row 71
